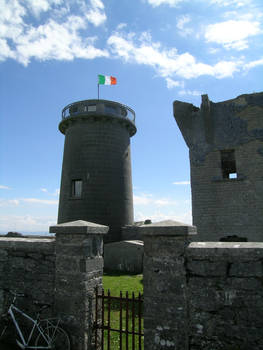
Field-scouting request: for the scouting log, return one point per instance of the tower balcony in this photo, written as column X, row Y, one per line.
column 98, row 109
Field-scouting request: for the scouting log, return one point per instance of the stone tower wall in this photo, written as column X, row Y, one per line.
column 227, row 198
column 97, row 152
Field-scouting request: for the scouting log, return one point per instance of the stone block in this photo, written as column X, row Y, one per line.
column 162, row 336
column 3, row 255
column 2, row 310
column 246, row 269
column 91, row 265
column 168, row 265
column 246, row 284
column 158, row 284
column 207, row 268
column 164, row 246
column 209, row 294
column 67, row 264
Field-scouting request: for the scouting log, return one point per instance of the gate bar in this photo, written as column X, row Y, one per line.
column 127, row 321
column 120, row 320
column 109, row 306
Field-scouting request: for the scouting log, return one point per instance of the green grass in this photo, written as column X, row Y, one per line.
column 116, row 282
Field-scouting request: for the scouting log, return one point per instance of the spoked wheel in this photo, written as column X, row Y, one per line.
column 55, row 337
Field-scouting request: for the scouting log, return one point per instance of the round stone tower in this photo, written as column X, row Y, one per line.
column 96, row 182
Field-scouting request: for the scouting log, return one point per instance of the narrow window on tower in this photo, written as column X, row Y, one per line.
column 228, row 164
column 76, row 188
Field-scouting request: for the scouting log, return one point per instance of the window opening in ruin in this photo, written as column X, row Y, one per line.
column 228, row 164
column 233, row 176
column 76, row 188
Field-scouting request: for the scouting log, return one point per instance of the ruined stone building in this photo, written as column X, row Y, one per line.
column 225, row 142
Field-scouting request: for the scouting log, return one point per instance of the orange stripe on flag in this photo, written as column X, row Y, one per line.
column 113, row 80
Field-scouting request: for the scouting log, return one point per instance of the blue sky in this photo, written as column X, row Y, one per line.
column 159, row 50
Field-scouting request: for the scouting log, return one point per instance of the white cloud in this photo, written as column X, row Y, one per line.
column 96, row 14
column 149, row 206
column 167, row 62
column 57, row 41
column 18, row 201
column 213, row 50
column 182, row 20
column 238, row 3
column 171, row 3
column 156, row 216
column 226, row 69
column 181, row 183
column 11, row 24
column 232, row 34
column 55, row 193
column 173, row 83
column 143, row 199
column 148, row 199
column 189, row 92
column 58, row 38
column 38, row 6
column 26, row 223
column 253, row 64
column 5, row 51
column 181, row 25
column 2, row 187
column 39, row 201
column 121, row 26
column 164, row 202
column 9, row 202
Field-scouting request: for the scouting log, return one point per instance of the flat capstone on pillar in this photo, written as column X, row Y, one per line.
column 79, row 270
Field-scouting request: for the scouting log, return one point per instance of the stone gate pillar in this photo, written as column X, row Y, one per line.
column 165, row 287
column 79, row 269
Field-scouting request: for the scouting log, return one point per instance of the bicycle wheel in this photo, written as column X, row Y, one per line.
column 56, row 339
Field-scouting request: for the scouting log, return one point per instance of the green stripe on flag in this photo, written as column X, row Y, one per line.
column 101, row 79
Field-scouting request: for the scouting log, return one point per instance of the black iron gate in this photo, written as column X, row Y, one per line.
column 118, row 321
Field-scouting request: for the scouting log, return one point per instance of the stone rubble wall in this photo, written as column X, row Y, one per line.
column 199, row 295
column 63, row 272
column 27, row 265
column 225, row 295
column 202, row 295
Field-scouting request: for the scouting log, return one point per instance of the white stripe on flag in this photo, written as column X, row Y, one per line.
column 107, row 80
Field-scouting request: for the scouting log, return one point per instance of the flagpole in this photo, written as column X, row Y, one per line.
column 98, row 91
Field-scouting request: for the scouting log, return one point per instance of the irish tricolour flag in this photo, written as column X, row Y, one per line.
column 106, row 80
